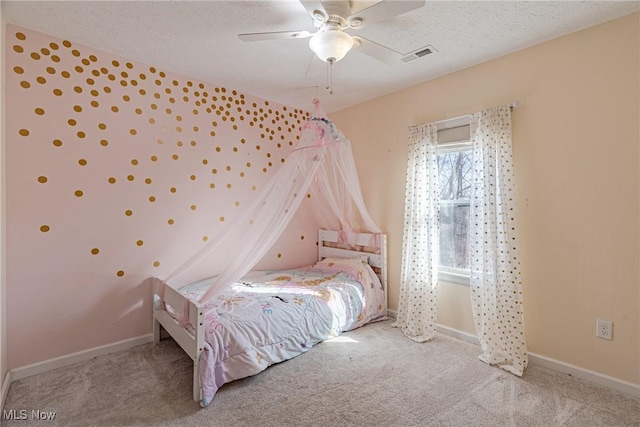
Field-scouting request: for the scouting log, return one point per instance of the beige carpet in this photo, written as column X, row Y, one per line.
column 369, row 377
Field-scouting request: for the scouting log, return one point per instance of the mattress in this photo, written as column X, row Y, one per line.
column 271, row 316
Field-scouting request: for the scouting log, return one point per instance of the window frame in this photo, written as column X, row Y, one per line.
column 452, row 274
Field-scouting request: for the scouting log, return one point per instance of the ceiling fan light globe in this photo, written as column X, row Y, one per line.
column 331, row 45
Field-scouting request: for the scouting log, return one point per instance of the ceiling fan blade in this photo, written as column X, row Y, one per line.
column 385, row 9
column 276, row 35
column 377, row 51
column 313, row 6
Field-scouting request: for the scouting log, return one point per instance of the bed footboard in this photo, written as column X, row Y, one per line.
column 192, row 344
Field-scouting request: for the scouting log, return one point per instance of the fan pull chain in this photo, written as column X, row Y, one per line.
column 329, row 86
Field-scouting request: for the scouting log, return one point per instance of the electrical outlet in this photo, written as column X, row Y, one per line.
column 604, row 329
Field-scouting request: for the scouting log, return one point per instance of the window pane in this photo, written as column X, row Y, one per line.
column 455, row 190
column 454, row 226
column 455, row 175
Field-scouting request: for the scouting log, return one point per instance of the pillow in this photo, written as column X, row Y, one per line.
column 355, row 267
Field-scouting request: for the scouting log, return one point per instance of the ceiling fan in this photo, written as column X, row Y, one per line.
column 333, row 18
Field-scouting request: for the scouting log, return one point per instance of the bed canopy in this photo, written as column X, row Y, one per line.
column 322, row 166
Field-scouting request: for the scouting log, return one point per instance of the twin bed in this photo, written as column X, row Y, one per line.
column 271, row 316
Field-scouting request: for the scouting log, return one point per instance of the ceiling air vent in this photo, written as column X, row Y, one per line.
column 423, row 51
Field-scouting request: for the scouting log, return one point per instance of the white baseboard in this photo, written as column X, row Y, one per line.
column 585, row 374
column 81, row 356
column 6, row 382
column 556, row 365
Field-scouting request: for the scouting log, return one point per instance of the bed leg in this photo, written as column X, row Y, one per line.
column 196, row 381
column 156, row 331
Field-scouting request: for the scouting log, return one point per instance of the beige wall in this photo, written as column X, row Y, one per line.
column 576, row 153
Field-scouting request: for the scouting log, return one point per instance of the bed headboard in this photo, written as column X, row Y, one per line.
column 372, row 245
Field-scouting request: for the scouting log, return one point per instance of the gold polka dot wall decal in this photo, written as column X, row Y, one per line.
column 18, row 48
column 81, row 134
column 212, row 185
column 129, row 65
column 86, row 62
column 114, row 109
column 156, row 264
column 112, row 180
column 241, row 174
column 93, row 58
column 123, row 83
column 214, row 171
column 126, row 98
column 279, row 255
column 39, row 111
column 78, row 89
column 75, row 52
column 170, row 222
column 228, row 168
column 107, row 89
column 25, row 84
column 193, row 207
column 104, row 142
column 44, row 228
column 229, row 186
column 237, row 203
column 21, row 36
column 179, row 143
column 158, row 82
column 95, row 251
column 160, row 141
column 45, row 51
column 173, row 189
column 18, row 70
column 133, row 132
column 205, row 161
column 128, row 212
column 90, row 82
column 152, row 199
column 138, row 111
column 131, row 177
column 82, row 162
column 154, row 106
column 71, row 122
column 134, row 162
column 55, row 58
column 66, row 43
column 192, row 177
column 77, row 108
column 178, row 129
column 147, row 181
column 221, row 219
column 152, row 70
column 51, row 70
column 154, row 158
column 120, row 273
column 152, row 120
column 78, row 193
column 174, row 157
column 23, row 132
column 57, row 142
column 111, row 77
column 139, row 243
column 42, row 179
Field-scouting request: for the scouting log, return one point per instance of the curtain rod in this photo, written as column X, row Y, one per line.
column 511, row 105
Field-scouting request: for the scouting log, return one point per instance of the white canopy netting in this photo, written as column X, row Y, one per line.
column 321, row 165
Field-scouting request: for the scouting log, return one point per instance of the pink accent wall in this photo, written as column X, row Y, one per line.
column 118, row 171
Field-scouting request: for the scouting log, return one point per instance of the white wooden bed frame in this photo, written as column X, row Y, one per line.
column 193, row 343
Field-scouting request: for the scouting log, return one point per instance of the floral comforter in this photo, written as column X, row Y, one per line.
column 274, row 316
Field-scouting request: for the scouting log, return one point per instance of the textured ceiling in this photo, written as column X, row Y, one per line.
column 199, row 39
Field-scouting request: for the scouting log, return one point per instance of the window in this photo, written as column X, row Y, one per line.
column 454, row 168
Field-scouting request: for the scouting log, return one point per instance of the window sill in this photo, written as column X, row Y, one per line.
column 461, row 279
